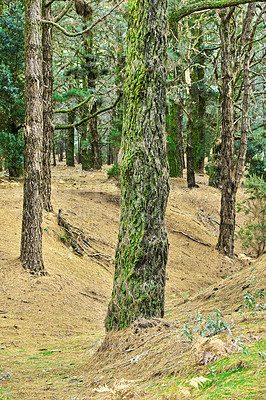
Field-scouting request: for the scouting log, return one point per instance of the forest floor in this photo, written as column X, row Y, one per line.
column 52, row 338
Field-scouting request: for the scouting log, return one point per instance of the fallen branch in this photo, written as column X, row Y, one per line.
column 91, row 297
column 191, row 238
column 77, row 239
column 187, row 215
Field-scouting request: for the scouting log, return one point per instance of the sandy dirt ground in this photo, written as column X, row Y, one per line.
column 51, row 326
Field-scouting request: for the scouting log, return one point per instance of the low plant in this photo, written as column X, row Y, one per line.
column 252, row 302
column 114, row 172
column 206, row 326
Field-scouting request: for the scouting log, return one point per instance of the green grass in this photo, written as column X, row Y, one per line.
column 239, row 376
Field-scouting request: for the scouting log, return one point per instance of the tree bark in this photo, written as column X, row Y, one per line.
column 31, row 236
column 48, row 127
column 231, row 173
column 175, row 140
column 142, row 250
column 227, row 213
column 70, row 157
column 191, row 182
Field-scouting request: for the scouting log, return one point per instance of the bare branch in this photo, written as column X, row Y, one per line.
column 69, row 34
column 76, row 124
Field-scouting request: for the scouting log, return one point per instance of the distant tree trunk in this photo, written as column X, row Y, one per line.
column 175, row 140
column 61, row 149
column 95, row 151
column 199, row 102
column 70, row 159
column 215, row 165
column 31, row 236
column 85, row 148
column 142, row 250
column 191, row 182
column 54, row 158
column 48, row 127
column 201, row 124
column 14, row 169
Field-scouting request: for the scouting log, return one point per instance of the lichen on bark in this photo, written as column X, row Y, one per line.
column 142, row 249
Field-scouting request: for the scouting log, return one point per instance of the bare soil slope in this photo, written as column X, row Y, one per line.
column 51, row 326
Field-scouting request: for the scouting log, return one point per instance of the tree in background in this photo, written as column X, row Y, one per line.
column 12, row 105
column 232, row 68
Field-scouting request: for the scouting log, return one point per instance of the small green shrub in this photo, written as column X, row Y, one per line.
column 11, row 149
column 253, row 234
column 252, row 302
column 114, row 172
column 206, row 326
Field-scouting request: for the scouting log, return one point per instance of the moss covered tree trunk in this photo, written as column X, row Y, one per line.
column 142, row 249
column 47, row 107
column 70, row 154
column 31, row 236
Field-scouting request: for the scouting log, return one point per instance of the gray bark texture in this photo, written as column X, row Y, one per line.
column 31, row 237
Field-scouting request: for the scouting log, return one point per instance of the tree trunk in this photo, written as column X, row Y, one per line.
column 142, row 249
column 95, row 151
column 31, row 236
column 54, row 158
column 231, row 174
column 70, row 159
column 191, row 182
column 175, row 140
column 47, row 107
column 227, row 213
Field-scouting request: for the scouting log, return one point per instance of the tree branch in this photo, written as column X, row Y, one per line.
column 76, row 124
column 69, row 34
column 63, row 12
column 178, row 13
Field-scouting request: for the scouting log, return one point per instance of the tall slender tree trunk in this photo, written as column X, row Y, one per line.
column 96, row 151
column 31, row 236
column 227, row 212
column 191, row 182
column 70, row 156
column 48, row 127
column 231, row 173
column 175, row 140
column 142, row 249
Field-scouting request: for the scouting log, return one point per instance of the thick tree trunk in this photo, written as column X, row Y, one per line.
column 31, row 237
column 227, row 212
column 47, row 107
column 142, row 250
column 70, row 158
